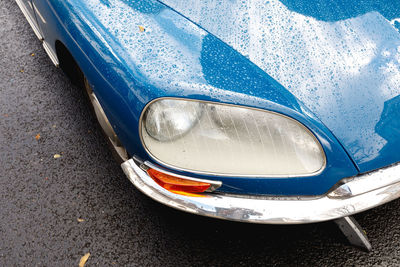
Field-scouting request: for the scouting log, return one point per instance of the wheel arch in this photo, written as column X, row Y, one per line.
column 68, row 64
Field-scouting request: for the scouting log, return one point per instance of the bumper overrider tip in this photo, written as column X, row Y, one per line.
column 352, row 195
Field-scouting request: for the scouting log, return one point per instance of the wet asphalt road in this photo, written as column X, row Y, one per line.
column 41, row 198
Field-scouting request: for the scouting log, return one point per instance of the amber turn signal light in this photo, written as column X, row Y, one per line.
column 178, row 185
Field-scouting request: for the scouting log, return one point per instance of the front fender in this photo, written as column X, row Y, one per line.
column 133, row 53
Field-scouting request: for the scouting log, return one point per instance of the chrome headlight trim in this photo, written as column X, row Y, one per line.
column 162, row 163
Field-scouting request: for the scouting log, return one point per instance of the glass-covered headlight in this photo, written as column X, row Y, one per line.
column 170, row 119
column 228, row 140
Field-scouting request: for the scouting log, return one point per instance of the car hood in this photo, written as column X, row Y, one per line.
column 340, row 58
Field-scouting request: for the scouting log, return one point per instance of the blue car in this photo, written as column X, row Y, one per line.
column 276, row 112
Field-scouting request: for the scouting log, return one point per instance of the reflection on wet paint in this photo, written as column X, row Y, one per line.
column 339, row 58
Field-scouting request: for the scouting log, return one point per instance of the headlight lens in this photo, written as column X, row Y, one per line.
column 169, row 119
column 220, row 139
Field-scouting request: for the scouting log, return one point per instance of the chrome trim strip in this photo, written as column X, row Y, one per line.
column 214, row 184
column 367, row 182
column 29, row 18
column 51, row 53
column 270, row 210
column 223, row 174
column 38, row 13
column 31, row 21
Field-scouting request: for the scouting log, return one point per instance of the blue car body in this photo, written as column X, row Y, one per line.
column 334, row 66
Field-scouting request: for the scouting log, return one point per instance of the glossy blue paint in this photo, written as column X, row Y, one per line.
column 340, row 58
column 174, row 57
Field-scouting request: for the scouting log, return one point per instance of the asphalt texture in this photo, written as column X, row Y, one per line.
column 55, row 210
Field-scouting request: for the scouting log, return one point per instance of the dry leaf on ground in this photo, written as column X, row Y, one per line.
column 84, row 259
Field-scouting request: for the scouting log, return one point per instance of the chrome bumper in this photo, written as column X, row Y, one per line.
column 354, row 195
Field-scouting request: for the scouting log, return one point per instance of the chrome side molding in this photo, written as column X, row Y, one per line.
column 52, row 55
column 29, row 18
column 32, row 22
